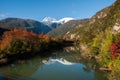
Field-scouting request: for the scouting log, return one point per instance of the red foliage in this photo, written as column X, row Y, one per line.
column 114, row 56
column 115, row 49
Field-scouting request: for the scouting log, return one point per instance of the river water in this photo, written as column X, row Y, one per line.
column 65, row 64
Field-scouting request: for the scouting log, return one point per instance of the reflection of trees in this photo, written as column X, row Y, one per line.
column 69, row 55
column 72, row 55
column 90, row 64
column 22, row 70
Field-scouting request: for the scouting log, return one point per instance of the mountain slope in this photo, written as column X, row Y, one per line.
column 61, row 30
column 108, row 17
column 30, row 25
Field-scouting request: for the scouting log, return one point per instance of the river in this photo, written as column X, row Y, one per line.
column 66, row 64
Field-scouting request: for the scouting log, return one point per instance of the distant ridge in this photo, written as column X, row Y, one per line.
column 30, row 25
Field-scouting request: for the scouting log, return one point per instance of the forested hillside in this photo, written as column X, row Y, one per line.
column 100, row 37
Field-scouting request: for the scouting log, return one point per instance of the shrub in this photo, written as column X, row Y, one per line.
column 21, row 41
column 115, row 49
column 95, row 50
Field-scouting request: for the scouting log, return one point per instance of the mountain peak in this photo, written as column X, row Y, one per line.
column 49, row 20
column 66, row 19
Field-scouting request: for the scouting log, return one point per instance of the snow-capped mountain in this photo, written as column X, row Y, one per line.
column 65, row 20
column 49, row 20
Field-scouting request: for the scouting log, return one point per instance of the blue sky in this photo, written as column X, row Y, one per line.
column 38, row 9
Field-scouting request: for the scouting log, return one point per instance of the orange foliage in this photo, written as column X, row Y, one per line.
column 8, row 36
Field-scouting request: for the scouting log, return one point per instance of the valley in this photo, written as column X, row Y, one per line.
column 89, row 47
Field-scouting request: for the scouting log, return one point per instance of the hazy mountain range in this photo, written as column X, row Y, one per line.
column 44, row 26
column 30, row 25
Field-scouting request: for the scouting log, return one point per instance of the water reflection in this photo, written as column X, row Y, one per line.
column 66, row 64
column 61, row 69
column 61, row 61
column 21, row 70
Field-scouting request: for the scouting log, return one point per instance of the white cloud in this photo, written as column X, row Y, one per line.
column 3, row 15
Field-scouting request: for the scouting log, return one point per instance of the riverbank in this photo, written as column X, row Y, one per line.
column 108, row 61
column 18, row 44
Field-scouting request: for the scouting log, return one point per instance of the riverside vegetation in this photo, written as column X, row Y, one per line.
column 21, row 43
column 100, row 37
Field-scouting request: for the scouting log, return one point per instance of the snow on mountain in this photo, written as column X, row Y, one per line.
column 49, row 20
column 64, row 20
column 46, row 19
